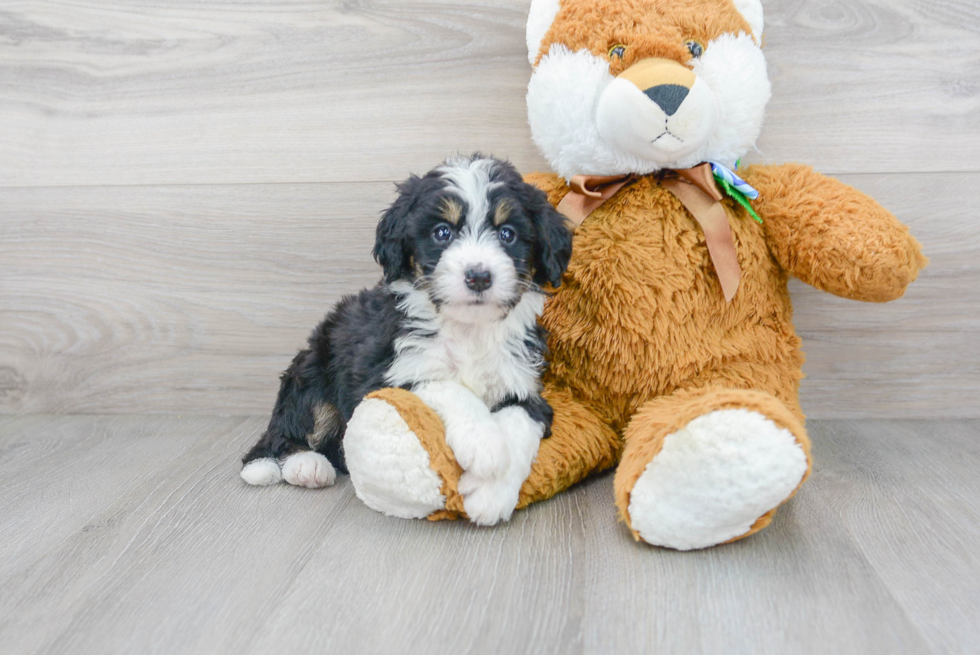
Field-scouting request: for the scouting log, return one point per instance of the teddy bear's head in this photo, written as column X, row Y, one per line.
column 636, row 86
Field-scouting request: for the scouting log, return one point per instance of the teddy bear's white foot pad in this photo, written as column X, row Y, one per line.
column 262, row 472
column 714, row 478
column 308, row 469
column 388, row 466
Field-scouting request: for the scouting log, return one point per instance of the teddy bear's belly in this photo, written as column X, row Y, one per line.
column 641, row 313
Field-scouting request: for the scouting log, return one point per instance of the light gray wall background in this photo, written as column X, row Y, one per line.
column 185, row 188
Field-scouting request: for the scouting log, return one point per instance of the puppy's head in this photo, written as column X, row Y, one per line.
column 474, row 237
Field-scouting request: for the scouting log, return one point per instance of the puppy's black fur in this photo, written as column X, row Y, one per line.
column 351, row 350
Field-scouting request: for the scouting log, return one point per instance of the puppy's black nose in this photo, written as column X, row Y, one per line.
column 478, row 280
column 668, row 96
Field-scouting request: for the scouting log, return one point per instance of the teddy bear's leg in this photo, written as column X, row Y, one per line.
column 707, row 466
column 397, row 456
column 581, row 443
column 400, row 463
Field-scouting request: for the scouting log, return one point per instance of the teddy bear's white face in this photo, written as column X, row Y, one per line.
column 647, row 103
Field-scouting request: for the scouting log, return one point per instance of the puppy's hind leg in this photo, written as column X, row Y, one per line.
column 315, row 467
column 300, row 420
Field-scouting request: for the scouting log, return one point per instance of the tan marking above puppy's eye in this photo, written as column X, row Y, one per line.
column 696, row 48
column 617, row 51
column 501, row 213
column 452, row 211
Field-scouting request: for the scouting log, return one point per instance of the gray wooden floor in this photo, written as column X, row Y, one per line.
column 135, row 535
column 185, row 188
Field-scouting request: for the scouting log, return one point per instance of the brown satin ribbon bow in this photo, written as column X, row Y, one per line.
column 698, row 192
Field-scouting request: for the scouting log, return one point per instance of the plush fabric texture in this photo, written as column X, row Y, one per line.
column 642, row 340
column 751, row 10
column 833, row 237
column 539, row 19
column 428, row 428
column 643, row 346
column 389, row 467
column 668, row 414
column 713, row 478
column 577, row 83
column 651, row 28
column 581, row 442
column 641, row 295
column 640, row 322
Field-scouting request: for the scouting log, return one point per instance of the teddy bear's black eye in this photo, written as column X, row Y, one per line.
column 442, row 234
column 617, row 51
column 695, row 48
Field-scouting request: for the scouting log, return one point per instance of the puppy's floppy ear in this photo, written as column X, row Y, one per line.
column 393, row 236
column 553, row 236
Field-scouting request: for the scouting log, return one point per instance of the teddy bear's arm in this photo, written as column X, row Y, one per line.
column 551, row 184
column 832, row 236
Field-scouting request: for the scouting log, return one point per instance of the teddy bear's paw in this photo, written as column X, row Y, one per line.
column 714, row 478
column 388, row 466
column 488, row 501
column 262, row 472
column 308, row 469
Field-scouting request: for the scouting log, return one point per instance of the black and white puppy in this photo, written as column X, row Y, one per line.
column 465, row 250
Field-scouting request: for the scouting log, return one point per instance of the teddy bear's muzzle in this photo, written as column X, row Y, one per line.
column 657, row 109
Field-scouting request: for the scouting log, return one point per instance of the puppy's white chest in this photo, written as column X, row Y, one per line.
column 493, row 360
column 488, row 372
column 491, row 369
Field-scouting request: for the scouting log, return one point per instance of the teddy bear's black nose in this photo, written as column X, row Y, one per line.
column 668, row 96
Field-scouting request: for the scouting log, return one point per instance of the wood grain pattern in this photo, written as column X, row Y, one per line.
column 873, row 85
column 165, row 278
column 898, row 489
column 874, row 555
column 113, row 294
column 98, row 92
column 194, row 298
column 286, row 91
column 86, row 465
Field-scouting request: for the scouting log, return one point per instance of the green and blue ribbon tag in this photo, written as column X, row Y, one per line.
column 735, row 187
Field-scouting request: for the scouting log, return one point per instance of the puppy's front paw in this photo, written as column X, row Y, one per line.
column 480, row 449
column 477, row 442
column 488, row 501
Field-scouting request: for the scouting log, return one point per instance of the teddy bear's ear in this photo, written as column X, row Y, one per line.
column 751, row 11
column 539, row 21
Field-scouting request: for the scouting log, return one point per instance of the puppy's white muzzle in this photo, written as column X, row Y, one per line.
column 475, row 279
column 657, row 110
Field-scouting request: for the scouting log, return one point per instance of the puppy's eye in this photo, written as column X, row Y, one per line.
column 617, row 51
column 507, row 235
column 442, row 234
column 695, row 48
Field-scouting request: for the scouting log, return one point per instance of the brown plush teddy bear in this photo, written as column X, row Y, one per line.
column 673, row 355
